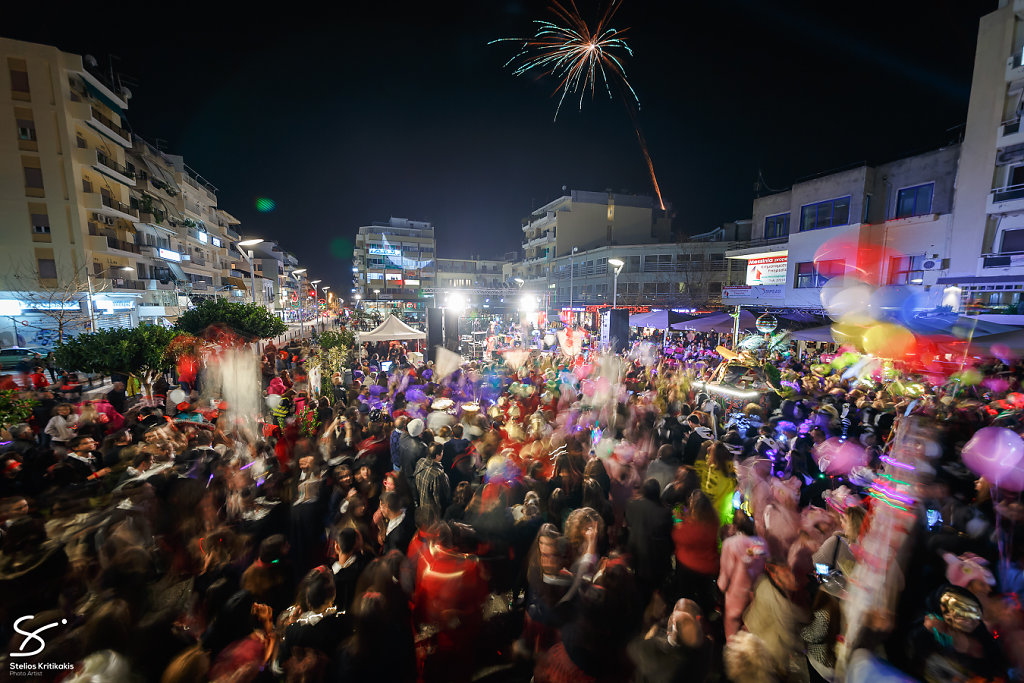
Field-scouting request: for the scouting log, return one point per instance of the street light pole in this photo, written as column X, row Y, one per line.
column 249, row 257
column 316, row 303
column 572, row 266
column 617, row 264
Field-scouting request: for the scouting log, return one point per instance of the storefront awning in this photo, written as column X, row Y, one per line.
column 176, row 272
column 236, row 282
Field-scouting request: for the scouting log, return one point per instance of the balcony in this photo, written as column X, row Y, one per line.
column 109, row 206
column 1009, row 199
column 100, row 242
column 1010, row 133
column 105, row 165
column 197, row 261
column 1014, row 260
column 85, row 111
column 539, row 223
column 545, row 238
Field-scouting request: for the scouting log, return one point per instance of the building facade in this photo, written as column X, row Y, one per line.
column 888, row 224
column 393, row 261
column 987, row 245
column 587, row 220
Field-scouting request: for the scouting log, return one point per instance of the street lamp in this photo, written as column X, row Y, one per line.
column 571, row 266
column 376, row 302
column 252, row 274
column 316, row 301
column 617, row 264
column 92, row 304
column 326, row 298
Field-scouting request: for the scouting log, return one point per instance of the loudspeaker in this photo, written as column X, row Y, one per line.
column 451, row 330
column 615, row 329
column 435, row 331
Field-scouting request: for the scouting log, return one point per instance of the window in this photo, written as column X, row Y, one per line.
column 776, row 226
column 906, row 270
column 19, row 78
column 650, row 288
column 813, row 274
column 26, row 129
column 632, row 264
column 33, row 178
column 1013, row 241
column 914, row 201
column 47, row 268
column 40, row 224
column 825, row 214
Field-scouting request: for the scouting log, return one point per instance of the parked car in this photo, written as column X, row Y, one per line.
column 9, row 358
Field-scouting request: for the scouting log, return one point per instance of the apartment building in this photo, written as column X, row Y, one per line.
column 393, row 261
column 64, row 195
column 987, row 244
column 587, row 220
column 886, row 224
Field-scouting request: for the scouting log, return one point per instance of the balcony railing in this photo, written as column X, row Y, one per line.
column 103, row 160
column 112, row 203
column 127, row 284
column 99, row 116
column 659, row 267
column 1008, row 193
column 1012, row 126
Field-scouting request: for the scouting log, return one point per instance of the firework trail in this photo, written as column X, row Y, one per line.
column 580, row 57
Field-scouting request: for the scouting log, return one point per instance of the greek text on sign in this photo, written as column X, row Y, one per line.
column 754, row 292
column 770, row 270
column 385, row 251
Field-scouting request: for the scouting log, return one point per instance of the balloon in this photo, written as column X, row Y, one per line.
column 886, row 340
column 588, row 387
column 836, row 457
column 994, row 453
column 177, row 396
column 273, row 401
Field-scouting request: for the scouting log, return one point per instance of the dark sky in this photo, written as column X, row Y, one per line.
column 374, row 109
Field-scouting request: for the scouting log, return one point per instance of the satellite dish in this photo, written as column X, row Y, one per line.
column 91, row 61
column 126, row 94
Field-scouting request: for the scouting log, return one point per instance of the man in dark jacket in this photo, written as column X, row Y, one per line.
column 698, row 436
column 650, row 538
column 410, row 449
column 401, row 527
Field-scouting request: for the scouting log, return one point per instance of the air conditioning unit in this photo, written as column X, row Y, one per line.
column 935, row 264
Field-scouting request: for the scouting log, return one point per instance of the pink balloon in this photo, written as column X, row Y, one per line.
column 603, row 384
column 994, row 453
column 826, row 449
column 1014, row 479
column 588, row 387
column 841, row 458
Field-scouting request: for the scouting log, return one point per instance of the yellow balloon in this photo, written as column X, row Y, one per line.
column 886, row 340
column 846, row 333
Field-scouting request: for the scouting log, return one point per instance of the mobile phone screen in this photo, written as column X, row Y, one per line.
column 821, row 568
column 934, row 518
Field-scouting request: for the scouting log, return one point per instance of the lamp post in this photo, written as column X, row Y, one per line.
column 617, row 264
column 92, row 303
column 316, row 302
column 249, row 257
column 326, row 309
column 572, row 266
column 297, row 273
column 376, row 303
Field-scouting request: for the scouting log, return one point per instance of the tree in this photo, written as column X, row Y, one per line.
column 140, row 352
column 249, row 321
column 64, row 304
column 336, row 351
column 14, row 409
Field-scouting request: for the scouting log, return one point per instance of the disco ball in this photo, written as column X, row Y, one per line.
column 766, row 323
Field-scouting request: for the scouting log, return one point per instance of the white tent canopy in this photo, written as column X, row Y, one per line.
column 391, row 329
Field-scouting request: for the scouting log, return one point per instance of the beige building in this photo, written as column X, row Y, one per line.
column 65, row 193
column 587, row 220
column 392, row 262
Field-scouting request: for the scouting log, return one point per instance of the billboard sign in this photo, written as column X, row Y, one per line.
column 754, row 292
column 385, row 251
column 770, row 270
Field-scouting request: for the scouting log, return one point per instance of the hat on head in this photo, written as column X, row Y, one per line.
column 442, row 404
column 415, row 427
column 184, row 406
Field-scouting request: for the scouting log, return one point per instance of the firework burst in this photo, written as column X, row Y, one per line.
column 573, row 53
column 580, row 57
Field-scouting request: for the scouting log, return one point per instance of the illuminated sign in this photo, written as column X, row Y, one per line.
column 754, row 292
column 216, row 241
column 375, row 276
column 169, row 255
column 412, row 283
column 53, row 306
column 204, row 238
column 770, row 270
column 385, row 251
column 393, row 276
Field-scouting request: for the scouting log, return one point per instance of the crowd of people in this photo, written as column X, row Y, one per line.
column 563, row 518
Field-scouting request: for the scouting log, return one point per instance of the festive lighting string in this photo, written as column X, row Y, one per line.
column 567, row 49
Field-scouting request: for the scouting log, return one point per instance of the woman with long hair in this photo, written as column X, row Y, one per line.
column 695, row 535
column 717, row 479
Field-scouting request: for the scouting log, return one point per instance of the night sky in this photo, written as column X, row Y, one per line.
column 373, row 109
